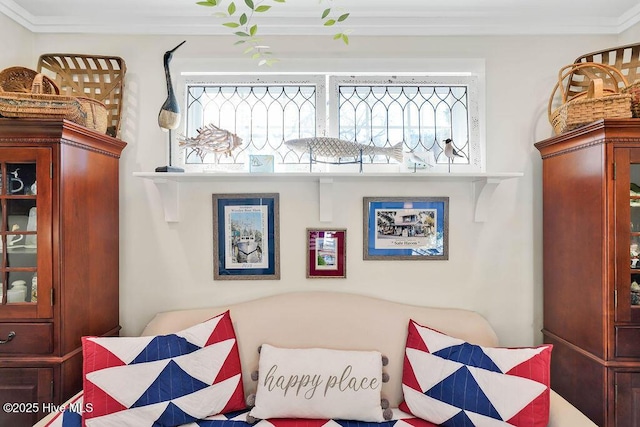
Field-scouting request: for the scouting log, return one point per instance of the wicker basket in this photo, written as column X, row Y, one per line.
column 41, row 105
column 20, row 79
column 97, row 114
column 634, row 90
column 600, row 101
column 96, row 77
column 626, row 59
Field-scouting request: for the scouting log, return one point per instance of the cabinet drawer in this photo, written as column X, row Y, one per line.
column 627, row 341
column 28, row 338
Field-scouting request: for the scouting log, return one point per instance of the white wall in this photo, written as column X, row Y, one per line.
column 494, row 268
column 12, row 52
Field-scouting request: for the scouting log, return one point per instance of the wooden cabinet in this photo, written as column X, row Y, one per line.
column 591, row 234
column 58, row 258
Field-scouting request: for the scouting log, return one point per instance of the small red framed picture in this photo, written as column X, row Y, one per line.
column 326, row 253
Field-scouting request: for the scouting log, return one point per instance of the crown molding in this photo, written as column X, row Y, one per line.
column 443, row 23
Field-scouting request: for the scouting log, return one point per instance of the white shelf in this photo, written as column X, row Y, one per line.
column 483, row 185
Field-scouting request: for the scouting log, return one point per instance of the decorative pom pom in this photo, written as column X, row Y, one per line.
column 385, row 377
column 387, row 414
column 259, row 349
column 251, row 400
column 253, row 420
column 385, row 360
column 384, row 403
column 254, row 375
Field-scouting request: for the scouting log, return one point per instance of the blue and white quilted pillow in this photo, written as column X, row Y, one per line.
column 453, row 383
column 165, row 380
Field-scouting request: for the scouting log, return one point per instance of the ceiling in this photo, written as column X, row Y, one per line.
column 367, row 17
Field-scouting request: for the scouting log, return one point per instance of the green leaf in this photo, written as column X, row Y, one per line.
column 262, row 8
column 206, row 3
column 253, row 29
column 240, row 42
column 241, row 34
column 343, row 17
column 329, row 22
column 337, row 36
column 231, row 24
column 325, row 13
column 279, row 1
column 249, row 4
column 232, row 8
column 243, row 19
column 256, row 55
column 247, row 50
column 345, row 39
column 220, row 15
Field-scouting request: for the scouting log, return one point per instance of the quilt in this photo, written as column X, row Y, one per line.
column 71, row 416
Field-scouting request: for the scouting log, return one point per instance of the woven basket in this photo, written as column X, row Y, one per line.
column 634, row 90
column 600, row 101
column 20, row 79
column 97, row 114
column 626, row 59
column 96, row 77
column 40, row 105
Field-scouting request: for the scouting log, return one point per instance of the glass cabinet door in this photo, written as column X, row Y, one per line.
column 23, row 176
column 19, row 245
column 628, row 235
column 634, row 246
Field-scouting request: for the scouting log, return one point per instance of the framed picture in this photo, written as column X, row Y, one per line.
column 326, row 253
column 246, row 236
column 406, row 228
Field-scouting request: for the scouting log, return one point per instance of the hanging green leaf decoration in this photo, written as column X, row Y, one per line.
column 247, row 30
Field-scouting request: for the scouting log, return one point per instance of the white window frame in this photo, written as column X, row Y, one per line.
column 326, row 123
column 475, row 164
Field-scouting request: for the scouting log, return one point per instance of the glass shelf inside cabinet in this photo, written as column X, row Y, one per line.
column 18, row 233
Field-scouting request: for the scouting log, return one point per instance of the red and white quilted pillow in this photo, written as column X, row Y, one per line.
column 450, row 382
column 164, row 380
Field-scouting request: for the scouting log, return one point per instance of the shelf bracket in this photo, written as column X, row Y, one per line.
column 168, row 185
column 483, row 190
column 326, row 199
column 169, row 194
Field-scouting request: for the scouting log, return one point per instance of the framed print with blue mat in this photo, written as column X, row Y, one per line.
column 406, row 228
column 246, row 236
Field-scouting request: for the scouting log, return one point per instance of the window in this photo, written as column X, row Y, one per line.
column 417, row 112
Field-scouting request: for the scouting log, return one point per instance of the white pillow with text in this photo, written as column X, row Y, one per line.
column 318, row 383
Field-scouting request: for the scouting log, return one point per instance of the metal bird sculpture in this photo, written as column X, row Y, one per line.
column 450, row 151
column 169, row 116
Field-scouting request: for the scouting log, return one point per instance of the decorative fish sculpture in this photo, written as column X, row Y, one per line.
column 212, row 139
column 336, row 148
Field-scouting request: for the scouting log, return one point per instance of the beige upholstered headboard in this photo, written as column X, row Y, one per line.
column 330, row 320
